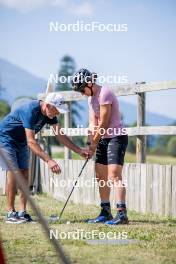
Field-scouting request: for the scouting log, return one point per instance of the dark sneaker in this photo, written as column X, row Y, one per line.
column 13, row 218
column 103, row 217
column 24, row 216
column 120, row 219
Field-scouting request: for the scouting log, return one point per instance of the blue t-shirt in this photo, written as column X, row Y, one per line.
column 12, row 127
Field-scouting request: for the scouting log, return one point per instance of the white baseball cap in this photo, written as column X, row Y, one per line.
column 58, row 101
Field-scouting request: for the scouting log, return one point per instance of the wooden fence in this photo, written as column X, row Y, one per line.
column 151, row 188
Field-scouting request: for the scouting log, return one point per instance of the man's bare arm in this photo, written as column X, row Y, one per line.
column 34, row 146
column 36, row 149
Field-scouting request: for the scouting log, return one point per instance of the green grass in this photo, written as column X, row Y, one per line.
column 60, row 155
column 26, row 243
column 129, row 158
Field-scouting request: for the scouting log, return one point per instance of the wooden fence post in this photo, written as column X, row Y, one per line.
column 141, row 140
column 67, row 124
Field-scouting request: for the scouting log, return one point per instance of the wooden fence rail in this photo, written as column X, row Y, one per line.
column 123, row 90
column 151, row 188
column 131, row 131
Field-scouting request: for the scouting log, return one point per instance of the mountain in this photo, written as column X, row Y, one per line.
column 19, row 82
column 129, row 112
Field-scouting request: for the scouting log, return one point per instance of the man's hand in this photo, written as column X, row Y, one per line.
column 52, row 164
column 84, row 153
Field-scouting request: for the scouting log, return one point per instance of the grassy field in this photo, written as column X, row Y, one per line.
column 131, row 158
column 26, row 243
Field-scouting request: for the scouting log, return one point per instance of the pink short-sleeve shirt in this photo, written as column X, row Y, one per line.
column 102, row 97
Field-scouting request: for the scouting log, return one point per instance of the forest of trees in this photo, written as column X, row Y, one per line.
column 4, row 106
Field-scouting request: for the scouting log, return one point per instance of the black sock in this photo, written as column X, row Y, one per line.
column 121, row 206
column 121, row 209
column 106, row 208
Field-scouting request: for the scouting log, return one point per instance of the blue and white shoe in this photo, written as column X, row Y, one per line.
column 24, row 216
column 102, row 218
column 120, row 219
column 13, row 218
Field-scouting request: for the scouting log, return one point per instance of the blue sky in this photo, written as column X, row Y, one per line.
column 145, row 53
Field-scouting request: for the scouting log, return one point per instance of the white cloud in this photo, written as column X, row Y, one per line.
column 84, row 8
column 23, row 6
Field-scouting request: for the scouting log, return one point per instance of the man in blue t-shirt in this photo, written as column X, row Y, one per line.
column 17, row 134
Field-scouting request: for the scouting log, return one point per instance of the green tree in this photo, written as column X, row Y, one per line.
column 1, row 87
column 4, row 109
column 4, row 106
column 171, row 146
column 162, row 143
column 67, row 69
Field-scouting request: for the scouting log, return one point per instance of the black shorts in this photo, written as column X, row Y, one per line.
column 111, row 150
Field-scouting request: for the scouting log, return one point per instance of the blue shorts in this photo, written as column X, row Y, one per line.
column 19, row 159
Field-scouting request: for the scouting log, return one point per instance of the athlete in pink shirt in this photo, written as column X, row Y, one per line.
column 108, row 139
